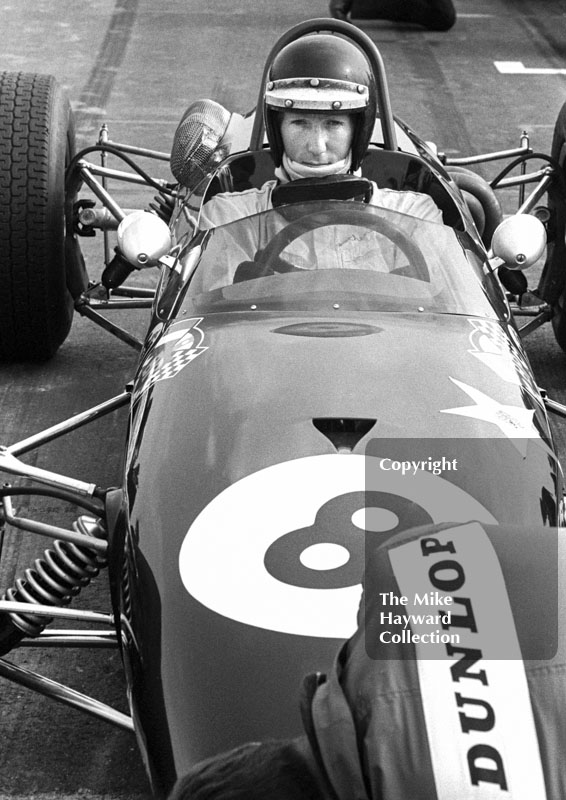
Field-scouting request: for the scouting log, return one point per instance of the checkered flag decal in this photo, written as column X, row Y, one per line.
column 175, row 347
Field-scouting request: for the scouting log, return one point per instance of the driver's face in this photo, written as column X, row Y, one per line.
column 316, row 139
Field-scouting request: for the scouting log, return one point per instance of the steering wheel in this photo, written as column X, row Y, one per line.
column 267, row 261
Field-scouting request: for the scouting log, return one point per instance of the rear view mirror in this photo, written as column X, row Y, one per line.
column 519, row 241
column 143, row 238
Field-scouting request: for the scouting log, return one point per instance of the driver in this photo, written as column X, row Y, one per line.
column 319, row 111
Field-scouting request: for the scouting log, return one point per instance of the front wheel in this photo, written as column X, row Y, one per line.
column 36, row 142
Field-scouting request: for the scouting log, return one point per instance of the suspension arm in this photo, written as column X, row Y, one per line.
column 12, row 465
column 55, row 612
column 44, row 529
column 64, row 694
column 68, row 425
column 484, row 157
column 73, row 638
column 121, row 175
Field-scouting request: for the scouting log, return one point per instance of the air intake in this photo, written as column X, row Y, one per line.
column 345, row 432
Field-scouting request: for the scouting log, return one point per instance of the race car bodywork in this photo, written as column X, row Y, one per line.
column 296, row 478
column 283, row 415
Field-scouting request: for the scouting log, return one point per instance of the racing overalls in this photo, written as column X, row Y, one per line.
column 341, row 246
column 230, row 206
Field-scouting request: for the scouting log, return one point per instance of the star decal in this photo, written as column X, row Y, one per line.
column 514, row 422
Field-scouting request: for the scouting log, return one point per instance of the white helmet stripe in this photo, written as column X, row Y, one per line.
column 316, row 94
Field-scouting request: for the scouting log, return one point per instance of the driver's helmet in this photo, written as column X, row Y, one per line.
column 323, row 73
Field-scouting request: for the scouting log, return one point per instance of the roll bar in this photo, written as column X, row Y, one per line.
column 369, row 49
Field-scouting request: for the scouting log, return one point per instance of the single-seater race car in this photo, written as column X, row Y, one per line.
column 291, row 404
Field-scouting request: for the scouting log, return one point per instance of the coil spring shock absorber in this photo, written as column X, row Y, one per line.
column 54, row 580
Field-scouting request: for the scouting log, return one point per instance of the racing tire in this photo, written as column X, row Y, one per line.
column 36, row 141
column 553, row 281
column 478, row 192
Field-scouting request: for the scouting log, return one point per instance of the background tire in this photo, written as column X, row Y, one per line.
column 478, row 192
column 36, row 142
column 553, row 281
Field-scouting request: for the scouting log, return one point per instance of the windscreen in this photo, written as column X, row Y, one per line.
column 338, row 254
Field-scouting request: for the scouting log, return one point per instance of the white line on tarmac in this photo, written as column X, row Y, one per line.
column 518, row 68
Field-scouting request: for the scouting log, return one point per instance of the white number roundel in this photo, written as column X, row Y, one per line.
column 283, row 548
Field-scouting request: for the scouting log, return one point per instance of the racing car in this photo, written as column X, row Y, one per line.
column 280, row 417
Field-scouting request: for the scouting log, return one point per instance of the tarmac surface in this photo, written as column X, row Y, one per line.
column 136, row 65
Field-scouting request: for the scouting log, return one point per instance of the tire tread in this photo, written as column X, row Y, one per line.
column 35, row 312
